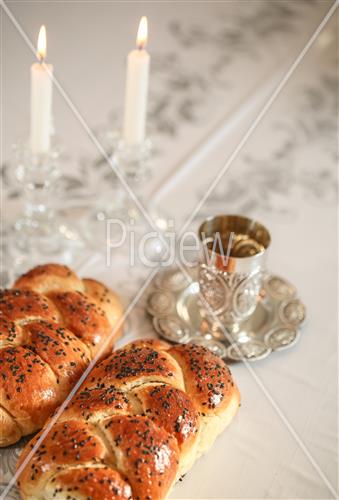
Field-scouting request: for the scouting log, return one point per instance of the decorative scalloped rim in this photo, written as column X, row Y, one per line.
column 157, row 287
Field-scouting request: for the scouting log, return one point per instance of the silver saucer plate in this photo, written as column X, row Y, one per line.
column 173, row 303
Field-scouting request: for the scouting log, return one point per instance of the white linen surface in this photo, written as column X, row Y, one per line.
column 214, row 65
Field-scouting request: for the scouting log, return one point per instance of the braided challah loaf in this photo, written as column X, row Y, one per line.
column 51, row 325
column 138, row 422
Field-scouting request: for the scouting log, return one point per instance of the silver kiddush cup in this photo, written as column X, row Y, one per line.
column 233, row 264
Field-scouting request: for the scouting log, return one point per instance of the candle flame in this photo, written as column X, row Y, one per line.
column 142, row 33
column 42, row 44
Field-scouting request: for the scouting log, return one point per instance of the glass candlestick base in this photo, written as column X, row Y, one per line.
column 119, row 210
column 132, row 163
column 129, row 163
column 38, row 234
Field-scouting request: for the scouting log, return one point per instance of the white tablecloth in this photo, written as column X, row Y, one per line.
column 214, row 65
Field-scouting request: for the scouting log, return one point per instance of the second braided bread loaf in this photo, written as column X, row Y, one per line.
column 140, row 420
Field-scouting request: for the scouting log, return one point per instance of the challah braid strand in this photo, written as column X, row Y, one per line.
column 86, row 307
column 139, row 421
column 51, row 325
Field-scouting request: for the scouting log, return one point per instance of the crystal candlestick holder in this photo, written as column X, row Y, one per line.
column 128, row 164
column 123, row 198
column 38, row 234
column 38, row 175
column 131, row 162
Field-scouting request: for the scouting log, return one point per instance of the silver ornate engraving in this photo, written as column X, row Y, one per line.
column 179, row 315
column 213, row 290
column 172, row 280
column 251, row 350
column 280, row 288
column 173, row 329
column 160, row 303
column 281, row 337
column 292, row 312
column 233, row 296
column 213, row 345
column 246, row 296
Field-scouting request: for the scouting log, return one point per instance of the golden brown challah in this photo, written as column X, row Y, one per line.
column 138, row 422
column 51, row 325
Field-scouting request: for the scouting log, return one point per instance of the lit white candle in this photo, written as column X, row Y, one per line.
column 41, row 99
column 138, row 63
